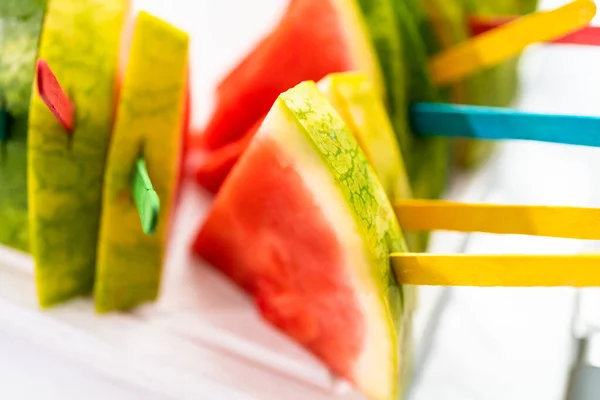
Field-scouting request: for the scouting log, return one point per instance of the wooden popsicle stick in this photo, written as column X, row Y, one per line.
column 551, row 221
column 498, row 123
column 503, row 42
column 145, row 197
column 497, row 270
column 586, row 36
column 54, row 96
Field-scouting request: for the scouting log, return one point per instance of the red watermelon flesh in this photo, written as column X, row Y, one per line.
column 216, row 167
column 265, row 215
column 303, row 225
column 314, row 38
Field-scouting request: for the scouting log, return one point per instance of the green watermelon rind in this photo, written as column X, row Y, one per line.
column 129, row 263
column 354, row 99
column 401, row 53
column 427, row 159
column 380, row 21
column 81, row 43
column 352, row 96
column 17, row 64
column 19, row 40
column 370, row 207
column 350, row 169
column 20, row 8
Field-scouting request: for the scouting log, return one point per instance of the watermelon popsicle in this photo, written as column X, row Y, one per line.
column 277, row 231
column 303, row 177
column 81, row 42
column 149, row 122
column 20, row 26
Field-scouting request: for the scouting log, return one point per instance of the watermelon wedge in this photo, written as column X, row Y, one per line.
column 20, row 26
column 303, row 225
column 294, row 51
column 81, row 43
column 149, row 124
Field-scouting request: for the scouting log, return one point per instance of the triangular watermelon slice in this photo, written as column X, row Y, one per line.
column 304, row 226
column 313, row 39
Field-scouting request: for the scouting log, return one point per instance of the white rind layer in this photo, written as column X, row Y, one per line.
column 375, row 371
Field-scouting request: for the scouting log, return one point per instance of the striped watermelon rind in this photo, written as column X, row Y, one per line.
column 20, row 26
column 148, row 124
column 427, row 159
column 81, row 42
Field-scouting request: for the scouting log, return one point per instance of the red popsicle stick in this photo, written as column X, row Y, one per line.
column 588, row 36
column 54, row 96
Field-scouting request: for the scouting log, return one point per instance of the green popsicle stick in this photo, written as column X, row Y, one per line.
column 145, row 197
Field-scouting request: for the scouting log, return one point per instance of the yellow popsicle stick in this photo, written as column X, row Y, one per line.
column 499, row 44
column 497, row 270
column 566, row 222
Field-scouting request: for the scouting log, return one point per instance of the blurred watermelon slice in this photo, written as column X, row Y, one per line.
column 305, row 227
column 313, row 39
column 65, row 170
column 20, row 26
column 129, row 262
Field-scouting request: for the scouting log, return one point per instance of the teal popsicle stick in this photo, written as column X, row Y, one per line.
column 495, row 123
